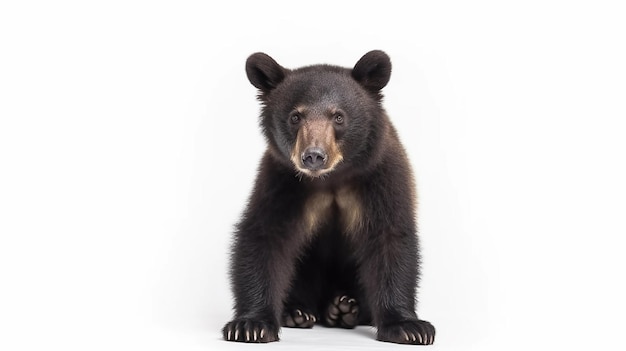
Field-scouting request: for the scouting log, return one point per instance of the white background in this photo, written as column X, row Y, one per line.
column 129, row 142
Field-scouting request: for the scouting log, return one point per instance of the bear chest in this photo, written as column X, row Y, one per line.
column 344, row 205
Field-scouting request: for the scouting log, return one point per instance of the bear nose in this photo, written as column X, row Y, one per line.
column 314, row 158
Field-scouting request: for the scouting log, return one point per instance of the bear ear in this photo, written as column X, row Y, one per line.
column 373, row 70
column 263, row 72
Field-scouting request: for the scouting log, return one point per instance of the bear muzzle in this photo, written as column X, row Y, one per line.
column 316, row 151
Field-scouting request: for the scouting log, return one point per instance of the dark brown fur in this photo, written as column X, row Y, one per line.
column 329, row 233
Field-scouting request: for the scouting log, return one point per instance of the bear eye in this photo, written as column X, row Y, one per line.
column 338, row 118
column 295, row 118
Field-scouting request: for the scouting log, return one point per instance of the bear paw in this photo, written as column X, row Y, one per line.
column 343, row 311
column 416, row 332
column 298, row 319
column 250, row 330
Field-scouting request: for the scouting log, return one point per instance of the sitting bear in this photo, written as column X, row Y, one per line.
column 329, row 233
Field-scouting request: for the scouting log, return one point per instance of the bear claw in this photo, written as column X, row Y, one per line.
column 417, row 332
column 247, row 330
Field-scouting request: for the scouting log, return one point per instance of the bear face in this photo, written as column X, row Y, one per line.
column 321, row 119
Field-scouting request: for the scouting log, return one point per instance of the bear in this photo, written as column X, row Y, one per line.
column 329, row 234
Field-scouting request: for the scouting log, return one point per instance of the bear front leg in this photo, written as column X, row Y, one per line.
column 389, row 271
column 261, row 271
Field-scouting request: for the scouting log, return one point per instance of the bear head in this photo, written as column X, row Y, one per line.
column 321, row 119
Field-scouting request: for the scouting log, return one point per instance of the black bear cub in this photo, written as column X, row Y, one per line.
column 329, row 232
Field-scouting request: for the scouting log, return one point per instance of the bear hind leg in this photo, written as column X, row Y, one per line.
column 342, row 311
column 298, row 318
